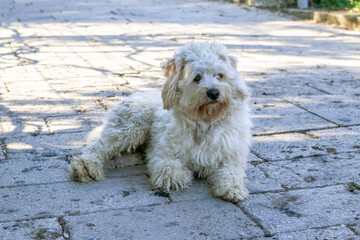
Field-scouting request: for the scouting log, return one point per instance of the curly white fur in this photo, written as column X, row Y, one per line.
column 187, row 131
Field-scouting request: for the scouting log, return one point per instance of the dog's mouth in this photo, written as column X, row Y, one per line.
column 212, row 110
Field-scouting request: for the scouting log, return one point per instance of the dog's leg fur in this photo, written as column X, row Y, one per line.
column 229, row 183
column 166, row 174
column 127, row 127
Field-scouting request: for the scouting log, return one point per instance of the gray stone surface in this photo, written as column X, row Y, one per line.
column 355, row 228
column 259, row 182
column 272, row 115
column 33, row 229
column 49, row 200
column 331, row 233
column 125, row 172
column 315, row 171
column 22, row 126
column 64, row 64
column 340, row 109
column 304, row 209
column 201, row 219
column 297, row 145
column 37, row 146
column 69, row 124
column 345, row 83
column 33, row 171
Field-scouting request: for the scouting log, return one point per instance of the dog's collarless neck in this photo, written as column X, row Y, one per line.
column 200, row 131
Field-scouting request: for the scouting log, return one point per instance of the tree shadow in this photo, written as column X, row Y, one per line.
column 33, row 29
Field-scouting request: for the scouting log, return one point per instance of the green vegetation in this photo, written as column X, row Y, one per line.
column 342, row 4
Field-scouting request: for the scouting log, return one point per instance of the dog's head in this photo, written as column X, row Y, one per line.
column 202, row 81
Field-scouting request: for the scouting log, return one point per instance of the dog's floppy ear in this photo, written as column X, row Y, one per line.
column 233, row 61
column 170, row 91
column 242, row 91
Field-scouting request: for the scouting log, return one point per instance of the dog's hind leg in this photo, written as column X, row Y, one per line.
column 127, row 127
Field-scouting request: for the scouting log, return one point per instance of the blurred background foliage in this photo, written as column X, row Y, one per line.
column 342, row 4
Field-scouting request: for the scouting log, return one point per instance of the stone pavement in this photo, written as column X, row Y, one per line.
column 65, row 63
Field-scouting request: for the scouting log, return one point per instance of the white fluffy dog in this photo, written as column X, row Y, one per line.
column 201, row 127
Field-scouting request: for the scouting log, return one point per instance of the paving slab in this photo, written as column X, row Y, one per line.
column 297, row 145
column 355, row 228
column 34, row 106
column 339, row 109
column 17, row 172
column 272, row 115
column 280, row 82
column 50, row 200
column 335, row 81
column 19, row 127
column 65, row 64
column 258, row 181
column 315, row 171
column 79, row 122
column 45, row 145
column 304, row 209
column 333, row 233
column 33, row 229
column 184, row 220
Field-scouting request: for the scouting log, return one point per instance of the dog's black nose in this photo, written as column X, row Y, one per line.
column 213, row 93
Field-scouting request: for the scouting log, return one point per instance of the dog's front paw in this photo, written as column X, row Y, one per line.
column 171, row 176
column 85, row 171
column 233, row 194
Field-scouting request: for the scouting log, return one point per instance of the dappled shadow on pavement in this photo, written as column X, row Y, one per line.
column 63, row 65
column 76, row 59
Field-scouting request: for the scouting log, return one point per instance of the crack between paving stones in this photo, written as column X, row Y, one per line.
column 320, row 90
column 299, row 106
column 302, row 157
column 129, row 208
column 79, row 214
column 47, row 123
column 316, row 187
column 65, row 231
column 322, row 227
column 266, row 232
column 33, row 184
column 59, row 182
column 6, row 87
column 351, row 227
column 55, row 133
column 3, row 148
column 296, row 131
column 102, row 104
column 171, row 200
column 62, row 115
column 304, row 131
column 258, row 156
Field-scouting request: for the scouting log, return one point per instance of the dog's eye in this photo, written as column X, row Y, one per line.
column 219, row 76
column 197, row 78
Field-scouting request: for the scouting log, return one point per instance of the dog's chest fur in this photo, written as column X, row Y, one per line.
column 198, row 145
